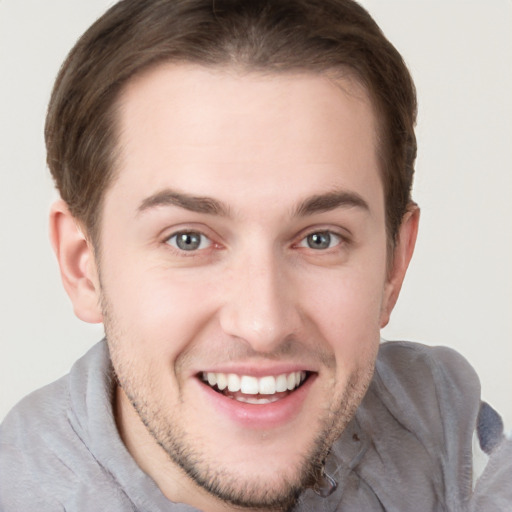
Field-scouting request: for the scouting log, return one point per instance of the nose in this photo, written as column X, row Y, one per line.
column 261, row 308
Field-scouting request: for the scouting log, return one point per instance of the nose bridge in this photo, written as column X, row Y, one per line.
column 260, row 308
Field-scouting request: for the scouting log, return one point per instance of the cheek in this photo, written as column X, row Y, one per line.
column 157, row 313
column 346, row 308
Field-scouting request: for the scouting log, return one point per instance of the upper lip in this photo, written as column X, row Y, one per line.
column 257, row 371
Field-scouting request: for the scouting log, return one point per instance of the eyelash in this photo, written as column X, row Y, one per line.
column 191, row 234
column 326, row 234
column 206, row 243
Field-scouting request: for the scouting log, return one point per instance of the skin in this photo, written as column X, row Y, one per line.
column 255, row 297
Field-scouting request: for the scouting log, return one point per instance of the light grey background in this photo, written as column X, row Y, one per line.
column 459, row 288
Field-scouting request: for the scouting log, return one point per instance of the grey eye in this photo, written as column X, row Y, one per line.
column 189, row 241
column 321, row 240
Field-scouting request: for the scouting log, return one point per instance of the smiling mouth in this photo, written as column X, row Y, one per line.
column 255, row 390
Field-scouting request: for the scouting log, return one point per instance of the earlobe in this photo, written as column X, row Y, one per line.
column 77, row 263
column 401, row 258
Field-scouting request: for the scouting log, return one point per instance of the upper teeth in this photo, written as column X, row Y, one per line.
column 250, row 385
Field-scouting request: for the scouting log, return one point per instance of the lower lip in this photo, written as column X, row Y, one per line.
column 260, row 416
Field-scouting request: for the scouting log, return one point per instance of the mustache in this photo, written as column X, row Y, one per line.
column 233, row 350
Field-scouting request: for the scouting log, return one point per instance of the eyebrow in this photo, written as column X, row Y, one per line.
column 198, row 204
column 330, row 201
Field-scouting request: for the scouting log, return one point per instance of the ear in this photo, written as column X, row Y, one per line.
column 77, row 263
column 401, row 257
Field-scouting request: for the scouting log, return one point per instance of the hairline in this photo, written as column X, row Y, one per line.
column 335, row 74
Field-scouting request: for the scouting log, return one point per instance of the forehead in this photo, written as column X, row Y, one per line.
column 212, row 131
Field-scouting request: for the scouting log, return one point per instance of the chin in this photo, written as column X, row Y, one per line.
column 271, row 486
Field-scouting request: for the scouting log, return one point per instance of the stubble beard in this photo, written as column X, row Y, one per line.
column 278, row 496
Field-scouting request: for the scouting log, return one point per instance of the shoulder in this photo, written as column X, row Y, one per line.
column 493, row 491
column 415, row 429
column 46, row 413
column 440, row 362
column 42, row 406
column 433, row 391
column 421, row 409
column 45, row 460
column 32, row 437
column 428, row 376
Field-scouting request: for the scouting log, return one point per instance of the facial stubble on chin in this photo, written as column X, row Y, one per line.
column 209, row 475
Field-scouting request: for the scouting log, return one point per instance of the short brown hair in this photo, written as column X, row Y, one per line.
column 260, row 35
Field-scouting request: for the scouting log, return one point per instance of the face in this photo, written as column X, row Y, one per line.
column 243, row 277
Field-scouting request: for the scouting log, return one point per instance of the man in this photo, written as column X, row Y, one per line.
column 235, row 181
